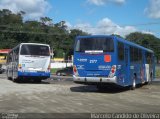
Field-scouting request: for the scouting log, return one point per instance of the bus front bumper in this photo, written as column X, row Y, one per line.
column 95, row 80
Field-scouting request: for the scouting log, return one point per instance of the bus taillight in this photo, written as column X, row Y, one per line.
column 113, row 69
column 49, row 67
column 75, row 70
column 112, row 72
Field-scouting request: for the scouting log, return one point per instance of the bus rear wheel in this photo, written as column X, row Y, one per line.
column 16, row 80
column 9, row 78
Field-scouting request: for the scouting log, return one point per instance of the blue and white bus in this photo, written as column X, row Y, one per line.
column 101, row 59
column 29, row 61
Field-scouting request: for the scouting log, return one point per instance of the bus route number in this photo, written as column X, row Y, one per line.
column 93, row 61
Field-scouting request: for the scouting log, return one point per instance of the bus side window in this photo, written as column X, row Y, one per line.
column 131, row 54
column 148, row 56
column 140, row 56
column 9, row 58
column 13, row 56
column 136, row 57
column 120, row 51
column 16, row 54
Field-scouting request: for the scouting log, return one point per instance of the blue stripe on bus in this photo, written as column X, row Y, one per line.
column 34, row 74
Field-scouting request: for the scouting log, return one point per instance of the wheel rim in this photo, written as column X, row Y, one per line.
column 134, row 83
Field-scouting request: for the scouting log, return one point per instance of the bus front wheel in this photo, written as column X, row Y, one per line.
column 9, row 78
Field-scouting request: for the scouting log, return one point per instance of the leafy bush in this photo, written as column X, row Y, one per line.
column 157, row 73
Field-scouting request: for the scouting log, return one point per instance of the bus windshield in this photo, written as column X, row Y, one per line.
column 39, row 50
column 94, row 44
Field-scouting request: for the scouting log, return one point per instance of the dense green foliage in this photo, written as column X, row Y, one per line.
column 14, row 30
column 146, row 40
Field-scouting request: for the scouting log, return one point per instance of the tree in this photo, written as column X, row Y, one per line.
column 13, row 30
column 46, row 21
column 146, row 40
column 7, row 17
column 117, row 35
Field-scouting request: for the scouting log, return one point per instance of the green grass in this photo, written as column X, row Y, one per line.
column 157, row 73
column 54, row 70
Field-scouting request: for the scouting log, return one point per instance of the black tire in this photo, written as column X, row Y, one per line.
column 58, row 74
column 9, row 78
column 150, row 79
column 17, row 80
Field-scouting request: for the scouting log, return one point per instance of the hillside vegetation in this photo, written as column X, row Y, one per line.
column 14, row 30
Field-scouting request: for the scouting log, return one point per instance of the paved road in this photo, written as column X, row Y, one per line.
column 64, row 96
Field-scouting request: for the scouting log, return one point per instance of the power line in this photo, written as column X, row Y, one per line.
column 139, row 24
column 27, row 32
column 123, row 25
column 20, row 27
column 144, row 24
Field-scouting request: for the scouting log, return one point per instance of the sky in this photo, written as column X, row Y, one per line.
column 94, row 16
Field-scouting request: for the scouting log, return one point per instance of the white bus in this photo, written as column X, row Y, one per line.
column 29, row 61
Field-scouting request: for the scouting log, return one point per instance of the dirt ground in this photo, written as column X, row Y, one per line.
column 67, row 97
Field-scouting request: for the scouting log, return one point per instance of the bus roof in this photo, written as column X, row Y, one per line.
column 118, row 39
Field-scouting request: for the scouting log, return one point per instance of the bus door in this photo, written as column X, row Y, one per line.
column 127, row 65
column 144, row 69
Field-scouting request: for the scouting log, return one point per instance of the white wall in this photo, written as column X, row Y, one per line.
column 60, row 65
